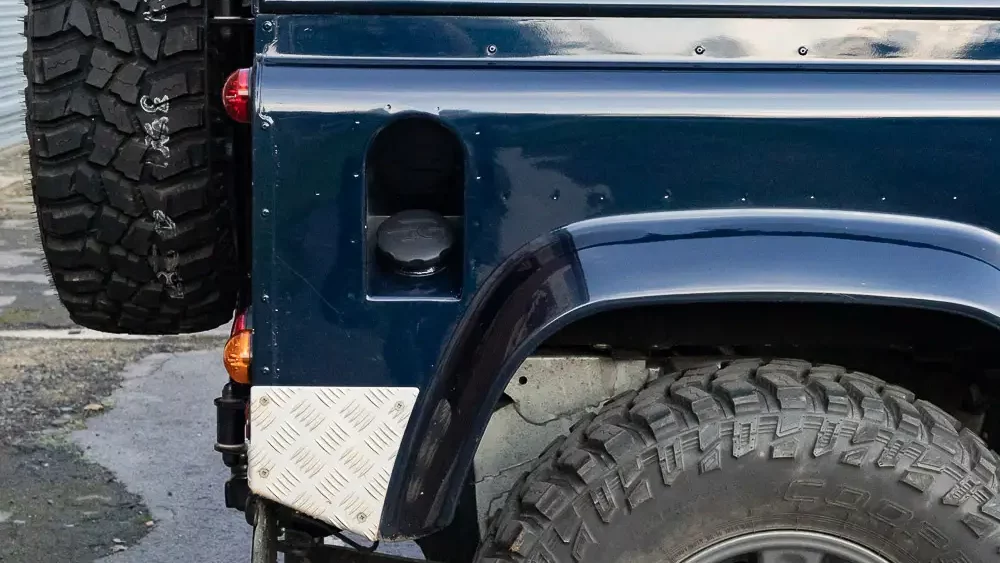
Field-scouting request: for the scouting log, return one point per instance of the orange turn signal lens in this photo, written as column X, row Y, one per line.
column 236, row 356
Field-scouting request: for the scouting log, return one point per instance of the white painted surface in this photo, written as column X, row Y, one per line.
column 16, row 258
column 24, row 278
column 18, row 224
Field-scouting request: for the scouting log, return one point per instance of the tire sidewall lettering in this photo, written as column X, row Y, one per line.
column 873, row 506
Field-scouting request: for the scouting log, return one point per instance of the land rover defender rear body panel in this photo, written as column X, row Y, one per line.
column 686, row 155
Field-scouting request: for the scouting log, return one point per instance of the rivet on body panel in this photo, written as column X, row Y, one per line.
column 491, row 50
column 699, row 50
column 268, row 25
column 803, row 51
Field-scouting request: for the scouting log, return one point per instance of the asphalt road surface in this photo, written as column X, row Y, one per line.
column 105, row 442
column 158, row 441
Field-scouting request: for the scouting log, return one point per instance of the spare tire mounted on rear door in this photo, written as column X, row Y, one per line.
column 135, row 222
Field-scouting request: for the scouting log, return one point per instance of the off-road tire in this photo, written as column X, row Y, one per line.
column 712, row 453
column 133, row 212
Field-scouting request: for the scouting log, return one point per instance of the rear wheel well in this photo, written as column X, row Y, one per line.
column 887, row 340
column 939, row 355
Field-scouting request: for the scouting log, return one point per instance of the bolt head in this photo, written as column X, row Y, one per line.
column 268, row 25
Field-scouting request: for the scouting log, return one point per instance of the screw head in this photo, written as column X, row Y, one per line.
column 699, row 50
column 803, row 51
column 265, row 298
column 268, row 25
column 265, row 124
column 265, row 370
column 491, row 50
column 362, row 517
column 263, row 473
column 265, row 212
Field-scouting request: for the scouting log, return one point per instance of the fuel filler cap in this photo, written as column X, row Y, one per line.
column 416, row 242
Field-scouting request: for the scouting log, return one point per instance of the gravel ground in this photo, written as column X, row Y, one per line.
column 56, row 507
column 55, row 503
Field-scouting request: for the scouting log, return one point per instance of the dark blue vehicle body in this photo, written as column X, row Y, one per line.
column 615, row 154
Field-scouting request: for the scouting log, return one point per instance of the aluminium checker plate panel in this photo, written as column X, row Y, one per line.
column 327, row 452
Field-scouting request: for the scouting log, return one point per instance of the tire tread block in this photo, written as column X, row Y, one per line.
column 756, row 406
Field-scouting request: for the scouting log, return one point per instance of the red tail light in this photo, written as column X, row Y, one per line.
column 239, row 322
column 236, row 95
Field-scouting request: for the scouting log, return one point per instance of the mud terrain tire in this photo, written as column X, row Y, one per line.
column 134, row 217
column 697, row 457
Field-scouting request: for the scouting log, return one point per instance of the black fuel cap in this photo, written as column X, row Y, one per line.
column 416, row 242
